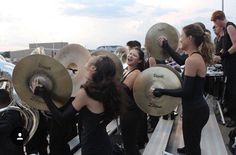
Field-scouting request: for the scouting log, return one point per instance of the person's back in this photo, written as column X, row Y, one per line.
column 98, row 102
column 94, row 137
column 228, row 62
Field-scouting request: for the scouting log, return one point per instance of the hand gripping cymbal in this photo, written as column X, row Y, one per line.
column 49, row 72
column 115, row 59
column 152, row 36
column 74, row 57
column 161, row 76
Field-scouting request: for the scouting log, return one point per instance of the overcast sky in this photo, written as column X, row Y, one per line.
column 92, row 23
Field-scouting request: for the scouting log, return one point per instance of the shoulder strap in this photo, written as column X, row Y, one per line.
column 196, row 53
column 124, row 77
column 230, row 23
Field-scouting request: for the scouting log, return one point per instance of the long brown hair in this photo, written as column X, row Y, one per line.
column 140, row 65
column 103, row 88
column 201, row 40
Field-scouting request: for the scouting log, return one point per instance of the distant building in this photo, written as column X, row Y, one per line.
column 111, row 48
column 50, row 49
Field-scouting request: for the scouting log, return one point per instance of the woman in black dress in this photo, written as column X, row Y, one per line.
column 98, row 102
column 199, row 48
column 133, row 121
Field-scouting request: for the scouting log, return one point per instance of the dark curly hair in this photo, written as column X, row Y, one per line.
column 103, row 88
column 140, row 65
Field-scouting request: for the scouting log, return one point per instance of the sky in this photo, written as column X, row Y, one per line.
column 93, row 23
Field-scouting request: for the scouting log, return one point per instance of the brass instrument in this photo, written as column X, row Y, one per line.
column 29, row 115
column 121, row 53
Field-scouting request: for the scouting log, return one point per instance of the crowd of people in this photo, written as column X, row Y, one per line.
column 102, row 99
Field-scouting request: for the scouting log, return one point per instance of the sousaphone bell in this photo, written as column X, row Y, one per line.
column 74, row 57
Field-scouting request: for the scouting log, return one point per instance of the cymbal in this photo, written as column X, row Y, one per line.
column 49, row 72
column 161, row 76
column 74, row 57
column 116, row 60
column 152, row 36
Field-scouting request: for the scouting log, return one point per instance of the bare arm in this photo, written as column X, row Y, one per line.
column 152, row 62
column 129, row 81
column 80, row 99
column 232, row 33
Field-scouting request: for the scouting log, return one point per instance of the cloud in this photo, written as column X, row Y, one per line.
column 97, row 22
column 98, row 8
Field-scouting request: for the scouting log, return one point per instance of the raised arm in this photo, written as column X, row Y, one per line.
column 61, row 116
column 178, row 58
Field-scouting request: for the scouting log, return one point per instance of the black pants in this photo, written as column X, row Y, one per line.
column 230, row 97
column 154, row 120
column 142, row 128
column 129, row 123
column 39, row 143
column 193, row 122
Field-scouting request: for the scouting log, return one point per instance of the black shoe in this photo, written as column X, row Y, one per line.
column 181, row 150
column 150, row 130
column 141, row 146
column 231, row 124
column 173, row 115
column 166, row 117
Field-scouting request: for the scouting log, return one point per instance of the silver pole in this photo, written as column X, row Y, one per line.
column 222, row 5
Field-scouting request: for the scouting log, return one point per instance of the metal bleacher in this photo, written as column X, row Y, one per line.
column 159, row 139
column 167, row 138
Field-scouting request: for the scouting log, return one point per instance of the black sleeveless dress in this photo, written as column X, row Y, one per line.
column 94, row 137
column 229, row 62
column 229, row 66
column 195, row 116
column 130, row 122
column 195, row 111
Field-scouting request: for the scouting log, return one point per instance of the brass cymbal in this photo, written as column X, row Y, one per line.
column 161, row 76
column 116, row 60
column 74, row 57
column 152, row 36
column 49, row 72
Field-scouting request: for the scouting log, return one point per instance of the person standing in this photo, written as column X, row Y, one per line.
column 228, row 59
column 98, row 102
column 199, row 48
column 133, row 120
